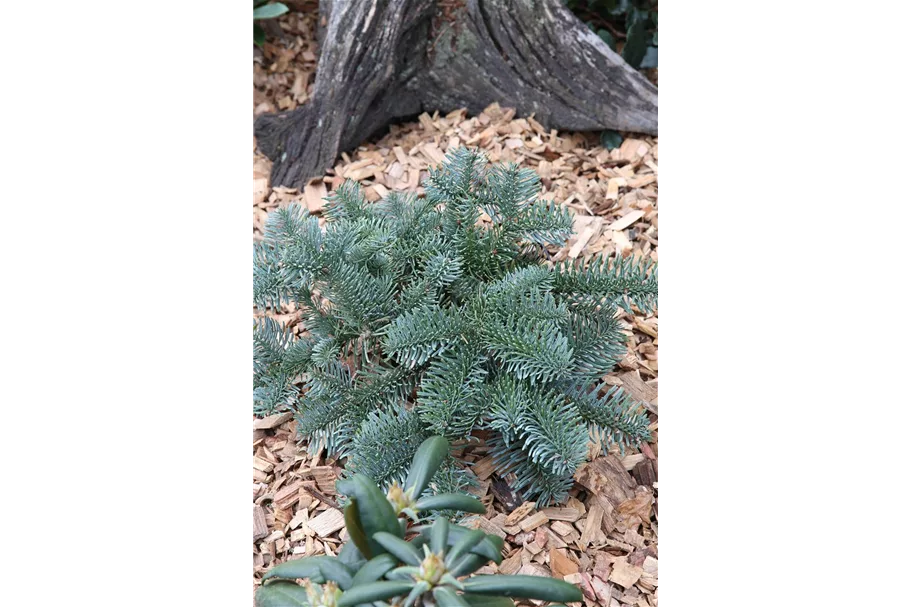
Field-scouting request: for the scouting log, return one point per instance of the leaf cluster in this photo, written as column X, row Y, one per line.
column 379, row 567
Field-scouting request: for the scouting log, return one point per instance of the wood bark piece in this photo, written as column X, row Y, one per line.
column 272, row 422
column 260, row 528
column 592, row 524
column 561, row 564
column 610, row 485
column 327, row 522
column 624, row 574
column 638, row 389
column 382, row 60
column 519, row 513
column 570, row 515
column 533, row 522
column 512, row 564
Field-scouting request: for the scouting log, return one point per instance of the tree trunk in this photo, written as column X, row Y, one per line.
column 382, row 60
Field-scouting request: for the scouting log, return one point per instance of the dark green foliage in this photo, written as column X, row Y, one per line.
column 423, row 316
column 380, row 568
column 633, row 21
column 262, row 9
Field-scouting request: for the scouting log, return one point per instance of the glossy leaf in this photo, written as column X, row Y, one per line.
column 259, row 34
column 468, row 541
column 349, row 555
column 355, row 531
column 438, row 534
column 281, row 594
column 469, row 563
column 269, row 11
column 447, row 597
column 426, row 462
column 491, row 545
column 398, row 548
column 524, row 587
column 610, row 139
column 300, row 569
column 482, row 600
column 451, row 501
column 377, row 591
column 333, row 570
column 375, row 569
column 636, row 37
column 608, row 39
column 374, row 510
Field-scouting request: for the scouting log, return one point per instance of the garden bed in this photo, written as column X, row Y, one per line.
column 605, row 537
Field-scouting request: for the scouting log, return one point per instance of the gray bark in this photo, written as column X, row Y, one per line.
column 382, row 60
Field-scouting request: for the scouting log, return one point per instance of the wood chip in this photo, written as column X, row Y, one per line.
column 592, row 525
column 629, row 462
column 491, row 526
column 533, row 522
column 262, row 464
column 639, row 390
column 287, row 496
column 624, row 574
column 483, row 468
column 260, row 529
column 561, row 564
column 512, row 564
column 561, row 528
column 519, row 513
column 610, row 485
column 272, row 422
column 568, row 514
column 426, row 121
column 626, row 221
column 327, row 522
column 314, row 195
column 325, row 477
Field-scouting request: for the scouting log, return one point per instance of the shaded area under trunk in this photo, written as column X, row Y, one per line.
column 382, row 60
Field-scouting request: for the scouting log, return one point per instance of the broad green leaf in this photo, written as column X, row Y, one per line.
column 524, row 587
column 608, row 39
column 300, row 569
column 375, row 568
column 377, row 591
column 333, row 570
column 281, row 594
column 469, row 563
column 398, row 547
column 349, row 555
column 426, row 462
column 610, row 139
column 447, row 597
column 374, row 510
column 259, row 35
column 269, row 11
column 482, row 600
column 438, row 534
column 636, row 37
column 451, row 501
column 491, row 547
column 353, row 525
column 468, row 541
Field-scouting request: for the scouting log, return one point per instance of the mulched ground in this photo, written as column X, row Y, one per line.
column 606, row 537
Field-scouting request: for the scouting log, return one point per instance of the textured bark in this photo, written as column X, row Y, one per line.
column 382, row 60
